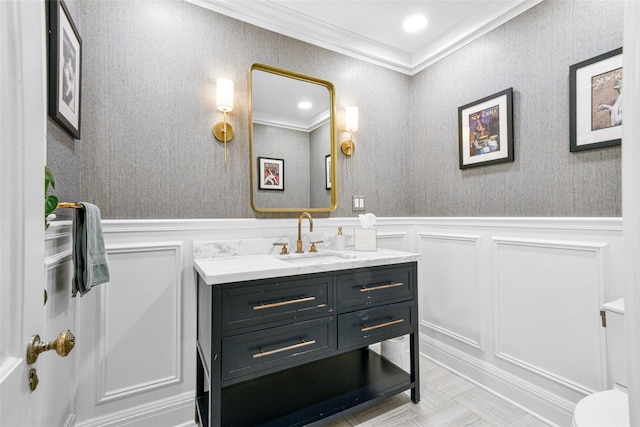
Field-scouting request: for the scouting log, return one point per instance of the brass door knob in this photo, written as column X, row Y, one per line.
column 63, row 345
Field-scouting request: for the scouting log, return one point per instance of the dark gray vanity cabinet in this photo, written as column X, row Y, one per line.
column 293, row 351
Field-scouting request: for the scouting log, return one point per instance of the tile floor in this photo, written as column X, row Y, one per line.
column 445, row 400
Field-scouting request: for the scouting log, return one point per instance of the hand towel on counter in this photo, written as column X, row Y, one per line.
column 89, row 256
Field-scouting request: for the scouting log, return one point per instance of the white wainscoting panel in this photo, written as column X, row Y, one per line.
column 528, row 292
column 57, row 374
column 140, row 314
column 548, row 297
column 395, row 241
column 512, row 304
column 449, row 295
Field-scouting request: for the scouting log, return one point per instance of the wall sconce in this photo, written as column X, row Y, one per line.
column 223, row 131
column 350, row 125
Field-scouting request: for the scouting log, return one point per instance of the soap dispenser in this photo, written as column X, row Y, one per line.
column 340, row 240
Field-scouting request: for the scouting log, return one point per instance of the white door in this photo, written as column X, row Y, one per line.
column 22, row 154
column 631, row 201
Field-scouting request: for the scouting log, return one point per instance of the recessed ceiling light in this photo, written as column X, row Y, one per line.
column 414, row 23
column 305, row 105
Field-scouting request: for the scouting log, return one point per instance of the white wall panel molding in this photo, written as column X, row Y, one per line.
column 55, row 260
column 393, row 240
column 448, row 236
column 548, row 294
column 57, row 239
column 60, row 311
column 62, row 229
column 595, row 247
column 450, row 300
column 58, row 230
column 139, row 320
column 525, row 223
column 391, row 236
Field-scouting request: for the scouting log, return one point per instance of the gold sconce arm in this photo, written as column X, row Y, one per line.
column 223, row 132
column 62, row 345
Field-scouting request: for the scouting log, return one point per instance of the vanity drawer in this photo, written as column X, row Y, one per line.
column 288, row 345
column 280, row 300
column 375, row 286
column 375, row 324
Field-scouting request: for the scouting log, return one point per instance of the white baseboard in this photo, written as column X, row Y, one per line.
column 170, row 412
column 538, row 402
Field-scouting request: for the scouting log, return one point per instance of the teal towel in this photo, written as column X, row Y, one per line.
column 89, row 256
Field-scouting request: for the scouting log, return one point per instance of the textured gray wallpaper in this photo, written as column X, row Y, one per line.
column 149, row 88
column 290, row 146
column 63, row 152
column 150, row 69
column 320, row 196
column 531, row 53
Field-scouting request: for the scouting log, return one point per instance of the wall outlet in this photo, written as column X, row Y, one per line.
column 358, row 203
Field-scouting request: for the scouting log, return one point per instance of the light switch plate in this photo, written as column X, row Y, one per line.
column 358, row 203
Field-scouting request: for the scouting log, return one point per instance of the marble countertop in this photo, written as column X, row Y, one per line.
column 226, row 268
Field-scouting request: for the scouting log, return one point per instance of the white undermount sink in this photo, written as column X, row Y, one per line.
column 315, row 257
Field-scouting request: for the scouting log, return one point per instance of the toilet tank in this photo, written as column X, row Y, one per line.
column 616, row 344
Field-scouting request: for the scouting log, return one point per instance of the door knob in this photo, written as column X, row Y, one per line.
column 63, row 346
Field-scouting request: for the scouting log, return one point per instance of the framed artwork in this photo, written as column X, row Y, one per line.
column 65, row 68
column 595, row 102
column 485, row 130
column 271, row 174
column 327, row 171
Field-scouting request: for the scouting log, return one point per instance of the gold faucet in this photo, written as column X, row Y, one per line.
column 299, row 242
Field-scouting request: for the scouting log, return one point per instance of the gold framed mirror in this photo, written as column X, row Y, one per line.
column 292, row 141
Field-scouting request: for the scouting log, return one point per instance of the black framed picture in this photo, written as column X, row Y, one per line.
column 485, row 130
column 595, row 102
column 271, row 174
column 64, row 68
column 327, row 171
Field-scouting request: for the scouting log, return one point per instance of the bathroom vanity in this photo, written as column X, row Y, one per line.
column 284, row 340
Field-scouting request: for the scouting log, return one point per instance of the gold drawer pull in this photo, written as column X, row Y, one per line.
column 281, row 303
column 377, row 288
column 302, row 343
column 366, row 328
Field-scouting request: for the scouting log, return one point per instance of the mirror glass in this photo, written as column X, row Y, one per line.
column 291, row 141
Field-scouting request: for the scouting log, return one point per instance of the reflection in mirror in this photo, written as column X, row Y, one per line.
column 291, row 141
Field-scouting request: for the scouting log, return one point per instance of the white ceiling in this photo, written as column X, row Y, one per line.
column 372, row 30
column 274, row 102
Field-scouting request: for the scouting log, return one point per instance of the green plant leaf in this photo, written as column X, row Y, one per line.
column 49, row 179
column 50, row 205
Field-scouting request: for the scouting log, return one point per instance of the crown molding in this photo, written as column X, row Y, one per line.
column 274, row 17
column 460, row 37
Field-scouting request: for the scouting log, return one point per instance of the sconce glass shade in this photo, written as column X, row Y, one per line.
column 224, row 95
column 350, row 125
column 351, row 119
